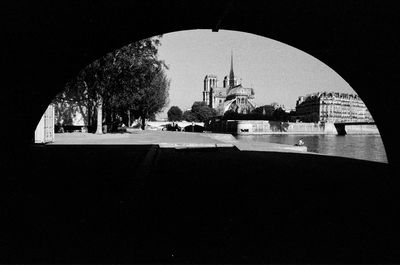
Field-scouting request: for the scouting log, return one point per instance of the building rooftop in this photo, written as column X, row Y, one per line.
column 239, row 90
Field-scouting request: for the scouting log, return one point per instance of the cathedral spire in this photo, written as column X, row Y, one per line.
column 231, row 74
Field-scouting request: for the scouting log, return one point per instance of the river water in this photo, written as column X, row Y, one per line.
column 367, row 147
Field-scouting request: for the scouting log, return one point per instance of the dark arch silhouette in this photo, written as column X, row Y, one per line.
column 49, row 43
column 305, row 204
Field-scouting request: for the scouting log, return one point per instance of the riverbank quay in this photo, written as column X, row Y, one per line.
column 167, row 139
column 264, row 127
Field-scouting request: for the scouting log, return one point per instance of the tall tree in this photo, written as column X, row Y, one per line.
column 128, row 81
column 152, row 97
column 141, row 85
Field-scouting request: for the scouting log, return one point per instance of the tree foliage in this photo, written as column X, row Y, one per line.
column 280, row 115
column 128, row 81
column 313, row 117
column 202, row 112
column 174, row 114
column 266, row 112
column 189, row 116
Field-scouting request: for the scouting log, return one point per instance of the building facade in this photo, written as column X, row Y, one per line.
column 332, row 107
column 44, row 132
column 231, row 96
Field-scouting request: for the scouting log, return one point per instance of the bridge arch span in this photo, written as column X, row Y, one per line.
column 46, row 47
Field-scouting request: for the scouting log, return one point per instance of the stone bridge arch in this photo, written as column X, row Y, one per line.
column 47, row 44
column 303, row 208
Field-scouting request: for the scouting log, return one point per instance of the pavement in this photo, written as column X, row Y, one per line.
column 178, row 140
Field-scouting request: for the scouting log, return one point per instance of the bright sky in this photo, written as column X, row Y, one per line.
column 277, row 72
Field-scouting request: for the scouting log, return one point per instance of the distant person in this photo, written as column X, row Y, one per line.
column 300, row 142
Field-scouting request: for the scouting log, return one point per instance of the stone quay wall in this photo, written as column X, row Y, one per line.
column 254, row 127
column 361, row 129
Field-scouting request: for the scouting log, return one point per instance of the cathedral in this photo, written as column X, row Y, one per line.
column 232, row 96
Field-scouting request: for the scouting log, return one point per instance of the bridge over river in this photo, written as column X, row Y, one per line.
column 361, row 127
column 159, row 125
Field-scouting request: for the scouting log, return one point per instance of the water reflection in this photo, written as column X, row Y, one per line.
column 367, row 147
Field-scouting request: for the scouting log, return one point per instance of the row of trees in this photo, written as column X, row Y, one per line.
column 126, row 84
column 200, row 112
column 266, row 112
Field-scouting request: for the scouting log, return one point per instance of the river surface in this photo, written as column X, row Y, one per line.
column 367, row 147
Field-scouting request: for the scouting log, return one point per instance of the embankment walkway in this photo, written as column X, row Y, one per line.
column 167, row 139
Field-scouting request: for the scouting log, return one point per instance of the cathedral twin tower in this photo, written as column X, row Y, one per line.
column 231, row 96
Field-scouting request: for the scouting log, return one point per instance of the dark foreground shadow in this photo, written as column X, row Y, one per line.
column 141, row 204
